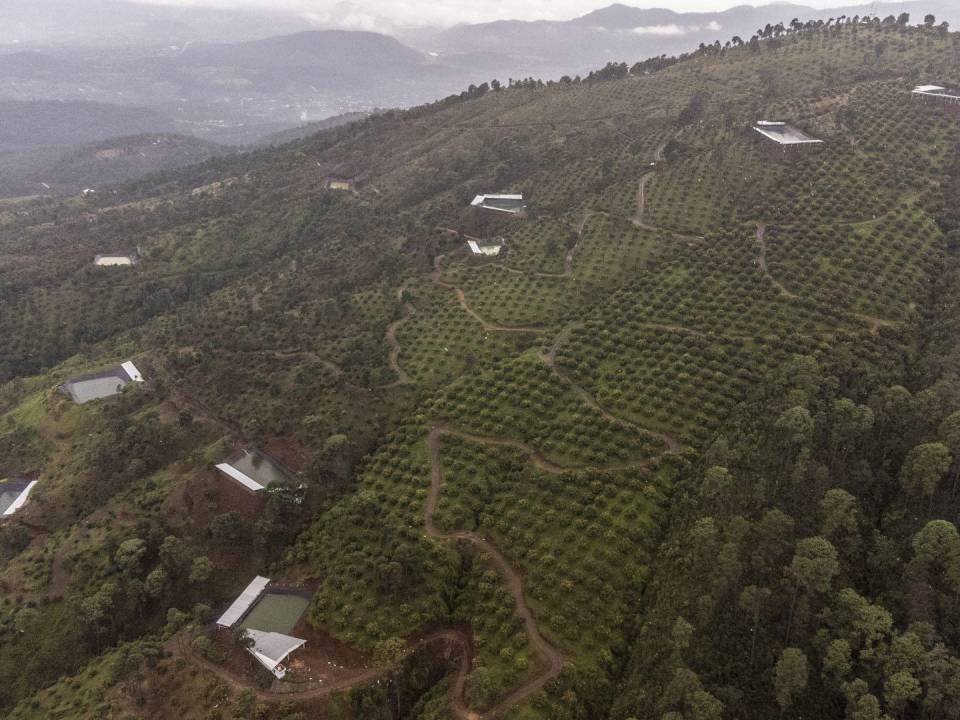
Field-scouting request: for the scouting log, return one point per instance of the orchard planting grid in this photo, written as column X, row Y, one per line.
column 522, row 399
column 440, row 341
column 581, row 540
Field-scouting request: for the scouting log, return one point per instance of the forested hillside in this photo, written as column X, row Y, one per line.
column 687, row 449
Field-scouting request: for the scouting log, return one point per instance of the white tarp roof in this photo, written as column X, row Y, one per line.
column 113, row 260
column 244, row 602
column 485, row 249
column 20, row 500
column 242, row 478
column 783, row 134
column 272, row 648
column 481, row 199
column 132, row 371
column 935, row 91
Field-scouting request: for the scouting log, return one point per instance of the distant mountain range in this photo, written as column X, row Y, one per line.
column 120, row 22
column 78, row 73
column 622, row 33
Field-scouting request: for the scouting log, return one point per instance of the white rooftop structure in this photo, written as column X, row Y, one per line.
column 242, row 478
column 501, row 203
column 485, row 248
column 118, row 259
column 937, row 92
column 103, row 384
column 784, row 134
column 132, row 372
column 243, row 603
column 253, row 469
column 272, row 648
column 14, row 499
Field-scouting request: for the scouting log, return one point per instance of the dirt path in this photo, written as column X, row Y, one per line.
column 876, row 323
column 873, row 321
column 553, row 659
column 394, row 359
column 673, row 444
column 453, row 638
column 568, row 260
column 491, row 326
column 255, row 304
column 762, row 263
column 488, row 326
column 637, row 219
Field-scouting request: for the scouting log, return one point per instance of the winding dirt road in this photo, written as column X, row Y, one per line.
column 673, row 444
column 637, row 219
column 552, row 658
column 873, row 321
column 488, row 326
column 453, row 638
column 762, row 263
column 394, row 359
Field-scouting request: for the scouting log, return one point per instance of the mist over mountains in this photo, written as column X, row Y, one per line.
column 78, row 73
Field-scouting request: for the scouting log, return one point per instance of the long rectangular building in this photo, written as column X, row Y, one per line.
column 783, row 134
column 245, row 600
column 14, row 495
column 937, row 93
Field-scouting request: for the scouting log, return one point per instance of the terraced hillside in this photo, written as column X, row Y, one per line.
column 701, row 406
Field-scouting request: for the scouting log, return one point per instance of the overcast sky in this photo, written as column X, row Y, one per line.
column 371, row 14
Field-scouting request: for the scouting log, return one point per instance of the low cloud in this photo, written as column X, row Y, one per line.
column 348, row 21
column 384, row 15
column 673, row 29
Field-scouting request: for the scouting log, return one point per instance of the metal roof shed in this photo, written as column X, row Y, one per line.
column 14, row 495
column 243, row 603
column 271, row 649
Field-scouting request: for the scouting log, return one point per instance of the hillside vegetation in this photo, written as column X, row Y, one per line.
column 686, row 450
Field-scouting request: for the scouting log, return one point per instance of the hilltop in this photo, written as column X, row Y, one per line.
column 685, row 448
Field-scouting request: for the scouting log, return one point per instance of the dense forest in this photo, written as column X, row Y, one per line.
column 687, row 449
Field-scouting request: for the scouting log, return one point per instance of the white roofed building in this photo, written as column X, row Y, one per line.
column 511, row 204
column 272, row 648
column 245, row 600
column 117, row 259
column 784, row 135
column 14, row 495
column 253, row 470
column 269, row 647
column 103, row 384
column 485, row 248
column 936, row 93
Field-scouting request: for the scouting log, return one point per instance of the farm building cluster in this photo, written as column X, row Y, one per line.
column 265, row 616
